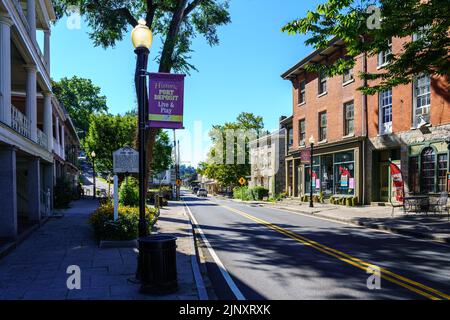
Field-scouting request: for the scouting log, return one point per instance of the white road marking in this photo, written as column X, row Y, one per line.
column 233, row 287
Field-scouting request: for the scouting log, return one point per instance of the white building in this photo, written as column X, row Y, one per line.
column 32, row 123
column 267, row 162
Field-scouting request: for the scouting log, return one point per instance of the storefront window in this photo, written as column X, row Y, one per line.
column 427, row 173
column 428, row 170
column 344, row 172
column 442, row 171
column 327, row 178
column 316, row 182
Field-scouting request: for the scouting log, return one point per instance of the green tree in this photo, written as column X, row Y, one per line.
column 108, row 133
column 162, row 153
column 81, row 98
column 216, row 167
column 176, row 22
column 366, row 25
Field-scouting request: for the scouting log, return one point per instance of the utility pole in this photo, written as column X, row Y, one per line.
column 176, row 156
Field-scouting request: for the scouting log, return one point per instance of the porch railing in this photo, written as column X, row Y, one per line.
column 19, row 122
column 42, row 139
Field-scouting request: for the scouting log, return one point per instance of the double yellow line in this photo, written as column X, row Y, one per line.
column 390, row 276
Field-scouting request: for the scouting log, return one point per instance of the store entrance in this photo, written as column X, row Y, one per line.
column 384, row 182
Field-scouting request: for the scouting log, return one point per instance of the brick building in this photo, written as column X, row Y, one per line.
column 355, row 135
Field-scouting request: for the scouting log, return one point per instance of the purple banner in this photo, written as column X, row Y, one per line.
column 166, row 97
column 305, row 156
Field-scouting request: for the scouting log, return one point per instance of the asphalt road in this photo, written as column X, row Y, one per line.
column 276, row 254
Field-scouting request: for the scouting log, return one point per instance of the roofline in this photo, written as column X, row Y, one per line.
column 334, row 43
column 288, row 119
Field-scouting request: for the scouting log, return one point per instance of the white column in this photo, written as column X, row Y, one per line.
column 31, row 18
column 5, row 69
column 63, row 144
column 48, row 119
column 31, row 101
column 58, row 141
column 47, row 49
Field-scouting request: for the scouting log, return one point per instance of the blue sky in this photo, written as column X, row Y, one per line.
column 241, row 74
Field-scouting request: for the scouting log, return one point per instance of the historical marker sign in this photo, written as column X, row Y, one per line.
column 126, row 160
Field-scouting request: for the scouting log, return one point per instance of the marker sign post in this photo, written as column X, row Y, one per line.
column 125, row 160
column 166, row 97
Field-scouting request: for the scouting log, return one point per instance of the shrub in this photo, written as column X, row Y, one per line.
column 129, row 192
column 63, row 193
column 127, row 225
column 242, row 193
column 259, row 193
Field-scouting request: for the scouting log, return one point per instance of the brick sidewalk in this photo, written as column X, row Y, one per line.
column 36, row 269
column 433, row 227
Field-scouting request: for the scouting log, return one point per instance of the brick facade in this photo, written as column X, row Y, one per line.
column 397, row 133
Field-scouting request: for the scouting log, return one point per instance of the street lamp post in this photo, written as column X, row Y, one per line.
column 93, row 155
column 142, row 39
column 311, row 202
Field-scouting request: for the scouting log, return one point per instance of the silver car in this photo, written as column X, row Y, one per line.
column 202, row 193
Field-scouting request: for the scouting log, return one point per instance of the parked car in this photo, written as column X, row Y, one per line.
column 202, row 193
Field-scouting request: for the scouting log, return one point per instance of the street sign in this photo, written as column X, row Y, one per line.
column 166, row 95
column 179, row 182
column 126, row 160
column 242, row 181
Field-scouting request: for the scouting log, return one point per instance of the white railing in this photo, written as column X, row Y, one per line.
column 22, row 16
column 58, row 149
column 19, row 122
column 42, row 139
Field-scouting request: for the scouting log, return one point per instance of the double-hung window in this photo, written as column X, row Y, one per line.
column 349, row 118
column 322, row 83
column 302, row 92
column 385, row 111
column 385, row 56
column 422, row 99
column 301, row 132
column 348, row 75
column 323, row 126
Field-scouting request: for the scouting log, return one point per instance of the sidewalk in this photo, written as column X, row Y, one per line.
column 431, row 227
column 36, row 269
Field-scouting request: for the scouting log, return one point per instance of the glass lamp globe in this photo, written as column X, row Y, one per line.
column 312, row 140
column 93, row 155
column 142, row 36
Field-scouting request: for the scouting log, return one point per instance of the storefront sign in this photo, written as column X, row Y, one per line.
column 344, row 181
column 352, row 183
column 397, row 182
column 317, row 183
column 166, row 97
column 448, row 181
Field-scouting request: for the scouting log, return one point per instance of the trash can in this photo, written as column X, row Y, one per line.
column 159, row 264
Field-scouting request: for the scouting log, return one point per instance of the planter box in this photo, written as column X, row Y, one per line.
column 104, row 244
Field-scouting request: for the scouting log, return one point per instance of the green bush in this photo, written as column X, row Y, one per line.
column 242, row 193
column 125, row 228
column 129, row 192
column 63, row 193
column 259, row 193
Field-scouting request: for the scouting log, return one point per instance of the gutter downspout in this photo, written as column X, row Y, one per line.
column 364, row 127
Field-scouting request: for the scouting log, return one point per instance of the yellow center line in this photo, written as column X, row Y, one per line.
column 390, row 276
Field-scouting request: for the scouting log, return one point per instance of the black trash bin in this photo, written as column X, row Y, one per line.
column 159, row 264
